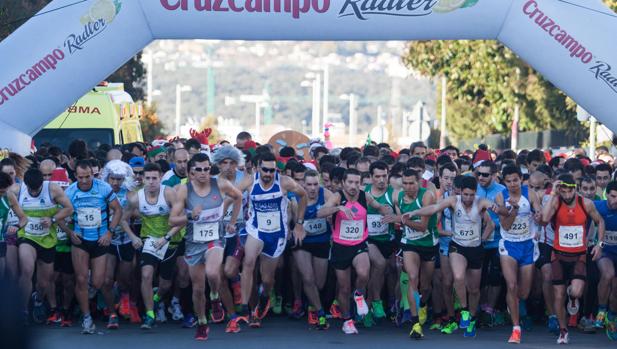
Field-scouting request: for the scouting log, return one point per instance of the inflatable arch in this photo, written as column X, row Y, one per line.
column 71, row 45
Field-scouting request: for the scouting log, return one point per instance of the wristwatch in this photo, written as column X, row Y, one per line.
column 167, row 237
column 300, row 221
column 53, row 220
column 601, row 244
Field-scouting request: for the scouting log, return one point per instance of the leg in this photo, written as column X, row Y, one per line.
column 198, row 278
column 607, row 274
column 559, row 291
column 362, row 266
column 547, row 288
column 268, row 267
column 458, row 263
column 343, row 279
column 320, row 270
column 108, row 283
column 214, row 258
column 44, row 276
column 147, row 295
column 303, row 260
column 411, row 263
column 81, row 264
column 447, row 285
column 12, row 262
column 252, row 250
column 474, row 277
column 509, row 266
column 378, row 271
column 426, row 275
column 525, row 279
column 27, row 259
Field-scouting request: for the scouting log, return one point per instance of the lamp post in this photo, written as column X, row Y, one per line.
column 353, row 124
column 179, row 90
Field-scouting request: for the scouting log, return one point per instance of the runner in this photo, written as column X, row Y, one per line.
column 267, row 233
column 381, row 244
column 518, row 251
column 607, row 263
column 8, row 202
column 8, row 166
column 569, row 213
column 311, row 255
column 348, row 208
column 91, row 235
column 160, row 241
column 471, row 224
column 200, row 205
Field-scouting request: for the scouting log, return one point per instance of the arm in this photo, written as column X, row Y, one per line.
column 60, row 198
column 177, row 217
column 236, row 195
column 291, row 185
column 593, row 213
column 435, row 208
column 330, row 207
column 506, row 217
column 171, row 198
column 113, row 205
column 489, row 225
column 14, row 205
column 383, row 209
column 549, row 210
column 427, row 200
column 127, row 213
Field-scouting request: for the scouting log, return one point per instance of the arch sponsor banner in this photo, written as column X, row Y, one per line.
column 54, row 58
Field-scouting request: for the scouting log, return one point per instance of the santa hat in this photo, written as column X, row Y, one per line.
column 60, row 177
column 480, row 156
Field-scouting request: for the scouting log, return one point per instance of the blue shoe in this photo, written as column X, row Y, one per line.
column 189, row 321
column 470, row 331
column 465, row 319
column 527, row 323
column 406, row 316
column 553, row 324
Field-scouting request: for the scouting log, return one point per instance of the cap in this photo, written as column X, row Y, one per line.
column 480, row 156
column 137, row 162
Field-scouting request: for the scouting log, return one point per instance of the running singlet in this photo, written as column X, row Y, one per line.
column 35, row 208
column 241, row 219
column 4, row 215
column 571, row 226
column 351, row 232
column 467, row 225
column 427, row 238
column 377, row 230
column 268, row 214
column 610, row 220
column 317, row 230
column 489, row 193
column 119, row 237
column 209, row 226
column 154, row 217
column 521, row 227
column 91, row 216
column 546, row 234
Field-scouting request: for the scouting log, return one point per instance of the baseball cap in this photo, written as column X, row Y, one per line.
column 137, row 162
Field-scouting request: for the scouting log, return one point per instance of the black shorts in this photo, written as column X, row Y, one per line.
column 317, row 250
column 92, row 248
column 234, row 247
column 167, row 266
column 341, row 256
column 568, row 266
column 2, row 249
column 45, row 255
column 123, row 253
column 427, row 254
column 64, row 263
column 387, row 248
column 491, row 268
column 546, row 251
column 473, row 255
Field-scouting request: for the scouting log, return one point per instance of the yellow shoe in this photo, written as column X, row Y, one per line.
column 422, row 315
column 416, row 332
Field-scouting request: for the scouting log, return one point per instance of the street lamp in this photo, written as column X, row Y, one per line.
column 315, row 84
column 353, row 103
column 179, row 90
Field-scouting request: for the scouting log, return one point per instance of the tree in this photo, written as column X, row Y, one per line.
column 211, row 122
column 151, row 125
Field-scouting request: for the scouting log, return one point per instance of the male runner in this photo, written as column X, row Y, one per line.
column 608, row 263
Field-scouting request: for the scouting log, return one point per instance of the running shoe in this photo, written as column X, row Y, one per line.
column 465, row 319
column 202, row 333
column 416, row 331
column 66, row 319
column 217, row 313
column 611, row 329
column 470, row 331
column 553, row 324
column 423, row 314
column 55, row 318
column 378, row 311
column 160, row 312
column 335, row 310
column 573, row 321
column 124, row 309
column 499, row 318
column 361, row 306
column 313, row 319
column 148, row 323
column 563, row 337
column 263, row 306
column 600, row 319
column 368, row 320
column 587, row 325
column 573, row 303
column 487, row 319
column 297, row 311
column 233, row 326
column 254, row 321
column 349, row 327
column 277, row 303
column 39, row 313
column 135, row 318
column 189, row 321
column 515, row 338
column 323, row 323
column 436, row 325
column 175, row 310
column 527, row 322
column 113, row 322
column 450, row 327
column 87, row 326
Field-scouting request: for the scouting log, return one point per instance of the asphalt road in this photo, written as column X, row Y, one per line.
column 283, row 333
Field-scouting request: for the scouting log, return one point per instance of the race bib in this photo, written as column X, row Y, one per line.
column 520, row 226
column 352, row 230
column 375, row 227
column 89, row 217
column 269, row 222
column 205, row 232
column 412, row 234
column 150, row 249
column 316, row 226
column 34, row 227
column 571, row 236
column 466, row 232
column 61, row 234
column 227, row 216
column 610, row 237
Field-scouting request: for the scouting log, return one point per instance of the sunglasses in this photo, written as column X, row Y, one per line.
column 138, row 173
column 268, row 170
column 483, row 174
column 201, row 169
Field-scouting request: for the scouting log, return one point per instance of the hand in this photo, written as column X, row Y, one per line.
column 391, row 218
column 105, row 240
column 75, row 239
column 230, row 228
column 46, row 222
column 385, row 210
column 137, row 243
column 409, row 214
column 12, row 230
column 158, row 244
column 299, row 234
column 494, row 207
column 346, row 211
column 538, row 217
column 196, row 212
column 596, row 253
column 513, row 203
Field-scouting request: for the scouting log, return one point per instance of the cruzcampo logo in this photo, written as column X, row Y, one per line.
column 444, row 6
column 106, row 10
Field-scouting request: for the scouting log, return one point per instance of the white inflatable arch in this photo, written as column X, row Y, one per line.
column 71, row 45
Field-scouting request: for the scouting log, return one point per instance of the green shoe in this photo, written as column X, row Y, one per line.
column 500, row 319
column 423, row 314
column 436, row 325
column 449, row 328
column 368, row 320
column 470, row 331
column 277, row 304
column 378, row 311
